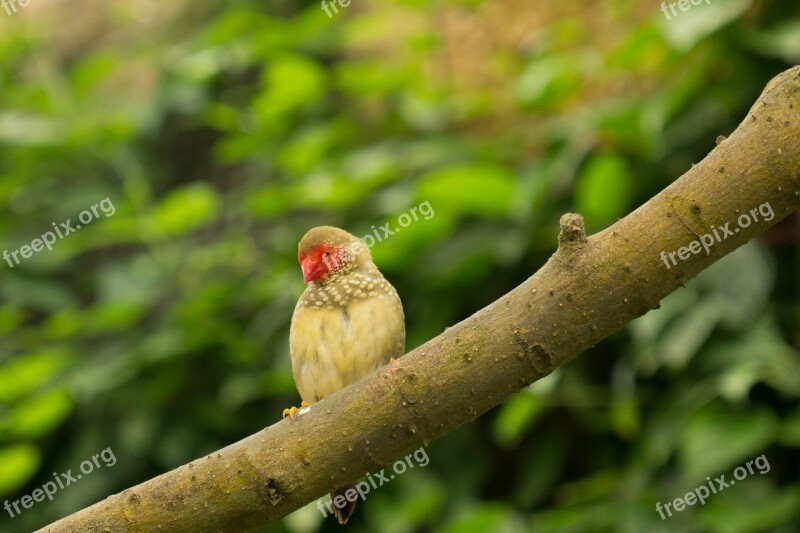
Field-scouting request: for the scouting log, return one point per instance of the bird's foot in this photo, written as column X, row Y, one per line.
column 391, row 360
column 292, row 411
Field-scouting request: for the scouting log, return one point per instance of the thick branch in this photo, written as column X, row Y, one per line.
column 586, row 291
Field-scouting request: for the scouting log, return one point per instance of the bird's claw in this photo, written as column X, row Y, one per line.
column 293, row 411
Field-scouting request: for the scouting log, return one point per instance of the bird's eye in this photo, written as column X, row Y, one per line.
column 326, row 254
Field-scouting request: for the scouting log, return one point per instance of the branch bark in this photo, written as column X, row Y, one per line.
column 587, row 290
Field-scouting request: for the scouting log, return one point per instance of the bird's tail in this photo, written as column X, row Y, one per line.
column 343, row 513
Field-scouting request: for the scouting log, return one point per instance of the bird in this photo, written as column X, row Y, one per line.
column 348, row 322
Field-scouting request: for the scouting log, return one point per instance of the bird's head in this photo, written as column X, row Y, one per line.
column 325, row 252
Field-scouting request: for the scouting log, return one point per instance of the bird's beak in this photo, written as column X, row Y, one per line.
column 311, row 270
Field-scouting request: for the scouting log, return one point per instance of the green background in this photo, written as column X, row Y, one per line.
column 222, row 131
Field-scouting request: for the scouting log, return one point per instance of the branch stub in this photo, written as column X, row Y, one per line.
column 572, row 232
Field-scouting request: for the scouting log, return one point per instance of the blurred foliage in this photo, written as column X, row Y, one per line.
column 222, row 131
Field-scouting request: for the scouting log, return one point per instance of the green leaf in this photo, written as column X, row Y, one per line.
column 738, row 370
column 604, row 190
column 539, row 468
column 626, row 415
column 686, row 28
column 478, row 189
column 745, row 275
column 269, row 201
column 549, row 81
column 516, row 417
column 41, row 415
column 18, row 463
column 293, row 82
column 87, row 74
column 717, row 437
column 116, row 317
column 767, row 508
column 790, row 431
column 11, row 317
column 24, row 129
column 309, row 147
column 334, row 191
column 184, row 210
column 484, row 517
column 369, row 78
column 781, row 41
column 684, row 338
column 26, row 373
column 577, row 518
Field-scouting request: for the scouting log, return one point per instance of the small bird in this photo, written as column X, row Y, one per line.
column 348, row 322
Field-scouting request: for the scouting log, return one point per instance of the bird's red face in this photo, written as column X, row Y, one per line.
column 320, row 261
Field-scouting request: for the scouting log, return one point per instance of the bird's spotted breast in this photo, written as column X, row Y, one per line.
column 335, row 342
column 346, row 290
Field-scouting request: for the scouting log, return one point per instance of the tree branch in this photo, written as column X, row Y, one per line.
column 587, row 290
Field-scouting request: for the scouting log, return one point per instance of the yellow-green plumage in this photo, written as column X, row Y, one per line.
column 345, row 325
